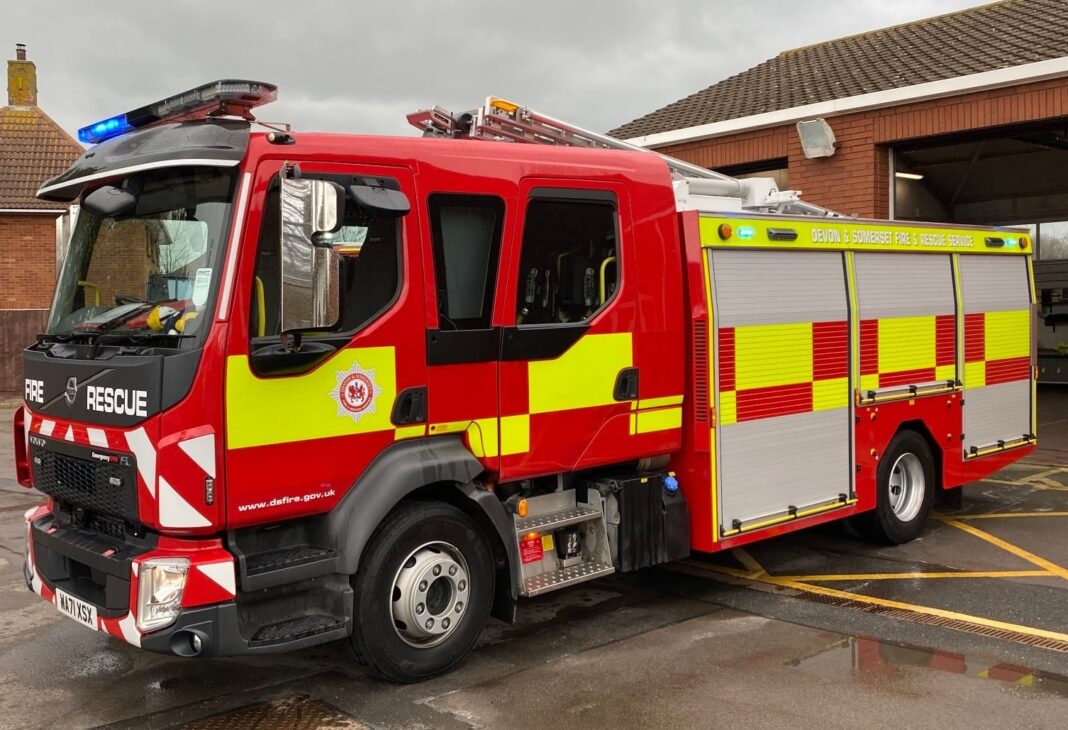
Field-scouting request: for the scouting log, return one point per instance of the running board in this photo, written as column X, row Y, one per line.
column 545, row 582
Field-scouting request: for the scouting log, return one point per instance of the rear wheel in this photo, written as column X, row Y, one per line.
column 423, row 592
column 904, row 491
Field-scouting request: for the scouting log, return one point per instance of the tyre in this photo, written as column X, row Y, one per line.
column 422, row 593
column 904, row 491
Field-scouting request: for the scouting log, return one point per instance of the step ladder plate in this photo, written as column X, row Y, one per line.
column 297, row 628
column 553, row 520
column 258, row 563
column 564, row 577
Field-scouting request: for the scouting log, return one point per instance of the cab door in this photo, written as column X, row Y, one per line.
column 568, row 380
column 465, row 231
column 302, row 423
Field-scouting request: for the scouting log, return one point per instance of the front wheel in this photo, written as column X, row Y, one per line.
column 904, row 491
column 423, row 592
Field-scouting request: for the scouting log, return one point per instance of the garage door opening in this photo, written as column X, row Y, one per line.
column 1009, row 176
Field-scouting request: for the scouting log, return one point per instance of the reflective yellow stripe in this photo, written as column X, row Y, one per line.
column 946, row 372
column 409, row 432
column 728, row 408
column 668, row 400
column 436, row 429
column 582, row 377
column 662, row 419
column 262, row 411
column 906, row 343
column 869, row 382
column 829, row 235
column 482, row 437
column 1008, row 334
column 515, row 434
column 830, row 394
column 974, row 374
column 772, row 354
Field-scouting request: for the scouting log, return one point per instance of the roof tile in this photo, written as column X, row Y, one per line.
column 33, row 148
column 989, row 37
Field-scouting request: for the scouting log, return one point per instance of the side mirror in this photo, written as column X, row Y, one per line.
column 311, row 209
column 109, row 201
column 380, row 200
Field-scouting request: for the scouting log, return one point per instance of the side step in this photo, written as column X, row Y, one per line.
column 285, row 565
column 556, row 520
column 545, row 582
column 562, row 541
column 303, row 627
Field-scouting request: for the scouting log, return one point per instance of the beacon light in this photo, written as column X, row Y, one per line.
column 231, row 97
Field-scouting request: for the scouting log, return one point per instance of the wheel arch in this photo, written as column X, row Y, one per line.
column 920, row 429
column 439, row 468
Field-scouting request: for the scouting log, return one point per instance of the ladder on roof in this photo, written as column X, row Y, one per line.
column 499, row 119
column 502, row 120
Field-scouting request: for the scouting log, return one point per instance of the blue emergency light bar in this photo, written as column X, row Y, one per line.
column 233, row 97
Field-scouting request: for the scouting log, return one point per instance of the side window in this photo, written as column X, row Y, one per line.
column 466, row 236
column 569, row 265
column 356, row 277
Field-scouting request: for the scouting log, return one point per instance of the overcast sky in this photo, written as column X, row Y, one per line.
column 361, row 66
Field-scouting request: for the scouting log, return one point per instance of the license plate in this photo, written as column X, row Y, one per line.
column 77, row 609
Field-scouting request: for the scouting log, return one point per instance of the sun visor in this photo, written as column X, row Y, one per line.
column 213, row 143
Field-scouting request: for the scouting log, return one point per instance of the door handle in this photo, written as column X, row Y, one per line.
column 410, row 406
column 626, row 385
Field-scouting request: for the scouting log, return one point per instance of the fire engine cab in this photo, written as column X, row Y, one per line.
column 302, row 387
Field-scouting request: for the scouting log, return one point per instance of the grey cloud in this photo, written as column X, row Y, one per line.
column 361, row 66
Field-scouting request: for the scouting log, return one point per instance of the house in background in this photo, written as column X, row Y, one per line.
column 33, row 232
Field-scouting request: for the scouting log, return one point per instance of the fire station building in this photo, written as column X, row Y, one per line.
column 960, row 118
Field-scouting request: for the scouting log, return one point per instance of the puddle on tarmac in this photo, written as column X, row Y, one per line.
column 859, row 659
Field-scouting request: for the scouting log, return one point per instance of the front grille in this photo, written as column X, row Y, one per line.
column 109, row 488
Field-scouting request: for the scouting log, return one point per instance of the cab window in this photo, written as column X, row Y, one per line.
column 363, row 262
column 569, row 261
column 466, row 236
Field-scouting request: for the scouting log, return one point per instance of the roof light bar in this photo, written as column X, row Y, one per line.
column 234, row 97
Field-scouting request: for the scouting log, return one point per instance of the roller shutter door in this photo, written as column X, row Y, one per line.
column 997, row 351
column 782, row 383
column 907, row 311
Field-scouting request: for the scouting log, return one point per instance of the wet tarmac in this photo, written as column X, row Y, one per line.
column 959, row 629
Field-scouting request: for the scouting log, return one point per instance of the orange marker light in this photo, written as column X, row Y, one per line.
column 521, row 508
column 1024, row 243
column 725, row 231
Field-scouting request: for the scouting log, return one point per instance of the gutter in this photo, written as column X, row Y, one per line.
column 971, row 83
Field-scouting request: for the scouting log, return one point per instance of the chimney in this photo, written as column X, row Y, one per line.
column 21, row 79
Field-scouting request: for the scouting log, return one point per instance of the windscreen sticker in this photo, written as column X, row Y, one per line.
column 201, row 284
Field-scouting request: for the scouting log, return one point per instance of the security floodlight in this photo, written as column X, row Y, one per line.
column 817, row 138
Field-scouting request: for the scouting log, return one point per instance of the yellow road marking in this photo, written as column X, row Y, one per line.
column 1044, row 474
column 1008, row 547
column 1003, row 515
column 884, row 602
column 932, row 575
column 743, row 557
column 1053, row 486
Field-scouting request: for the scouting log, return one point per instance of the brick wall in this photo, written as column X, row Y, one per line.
column 27, row 260
column 856, row 180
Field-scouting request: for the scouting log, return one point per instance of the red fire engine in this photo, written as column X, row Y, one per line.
column 303, row 387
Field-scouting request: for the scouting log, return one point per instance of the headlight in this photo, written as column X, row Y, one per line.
column 159, row 596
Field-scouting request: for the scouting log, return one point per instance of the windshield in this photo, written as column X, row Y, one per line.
column 147, row 275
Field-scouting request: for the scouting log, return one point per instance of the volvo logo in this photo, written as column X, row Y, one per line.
column 71, row 391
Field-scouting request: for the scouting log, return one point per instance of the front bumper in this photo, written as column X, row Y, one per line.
column 102, row 571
